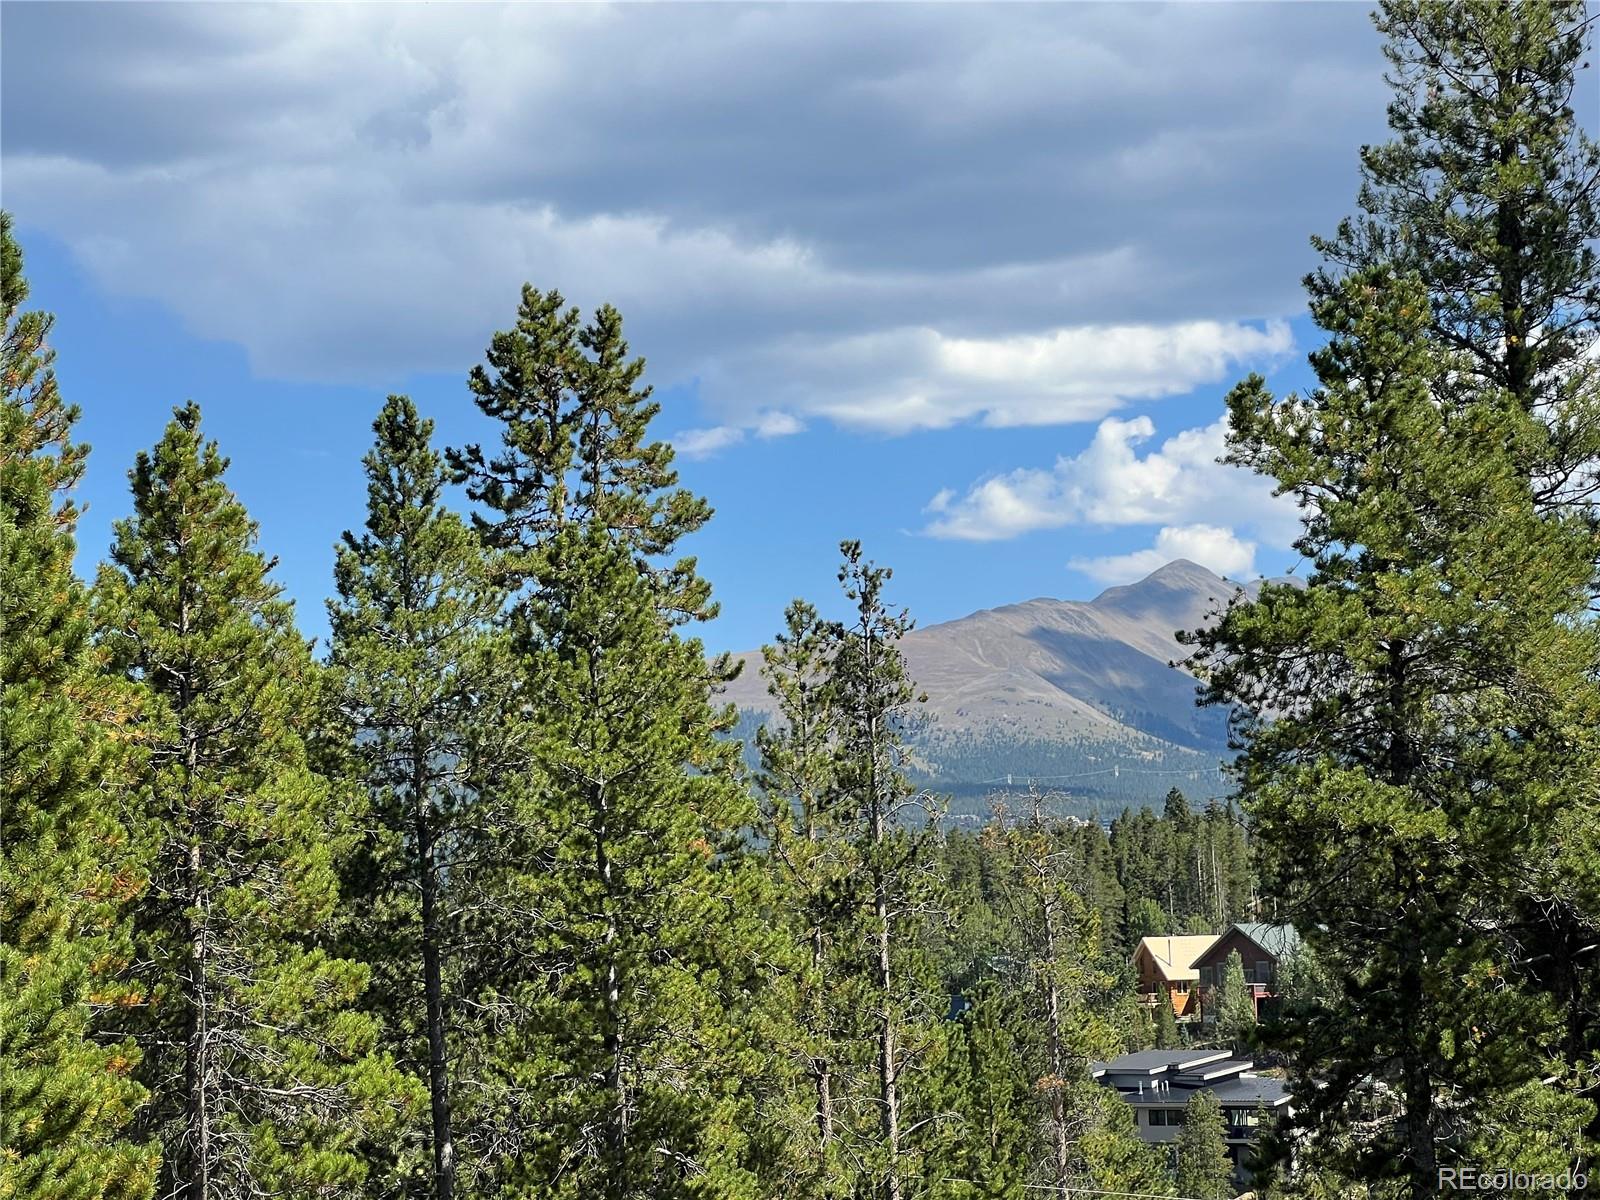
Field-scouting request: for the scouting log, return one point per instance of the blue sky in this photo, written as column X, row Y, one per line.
column 966, row 283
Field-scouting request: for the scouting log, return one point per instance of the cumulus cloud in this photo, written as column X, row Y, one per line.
column 1212, row 546
column 897, row 217
column 1110, row 483
column 906, row 379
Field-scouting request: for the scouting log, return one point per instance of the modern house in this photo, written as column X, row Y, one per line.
column 1165, row 967
column 1262, row 949
column 1158, row 1083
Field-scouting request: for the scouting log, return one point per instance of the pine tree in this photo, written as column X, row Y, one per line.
column 807, row 836
column 574, row 449
column 1166, row 1025
column 1204, row 1170
column 423, row 674
column 262, row 1075
column 1116, row 1160
column 1065, row 981
column 67, row 1097
column 644, row 931
column 985, row 1147
column 1431, row 702
column 1490, row 194
column 1236, row 1010
column 896, row 892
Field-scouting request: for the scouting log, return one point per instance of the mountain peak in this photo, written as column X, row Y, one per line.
column 1182, row 568
column 1179, row 584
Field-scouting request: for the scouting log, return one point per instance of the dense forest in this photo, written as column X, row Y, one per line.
column 495, row 899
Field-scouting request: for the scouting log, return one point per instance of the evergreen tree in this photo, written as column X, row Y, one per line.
column 1236, row 1009
column 67, row 1097
column 1489, row 193
column 1143, row 1035
column 615, row 980
column 1116, row 1161
column 895, row 895
column 573, row 447
column 423, row 675
column 1065, row 978
column 1146, row 919
column 633, row 1037
column 1204, row 1170
column 1167, row 1037
column 807, row 835
column 1431, row 705
column 262, row 1075
column 984, row 1148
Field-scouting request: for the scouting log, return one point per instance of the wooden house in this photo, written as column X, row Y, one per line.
column 1165, row 967
column 1262, row 949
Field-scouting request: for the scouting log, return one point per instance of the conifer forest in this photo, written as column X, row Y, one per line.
column 491, row 893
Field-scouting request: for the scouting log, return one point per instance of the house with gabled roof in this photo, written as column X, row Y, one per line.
column 1262, row 948
column 1165, row 969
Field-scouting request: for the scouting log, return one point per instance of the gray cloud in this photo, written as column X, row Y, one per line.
column 355, row 192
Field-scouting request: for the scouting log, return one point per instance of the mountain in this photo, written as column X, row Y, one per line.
column 1077, row 693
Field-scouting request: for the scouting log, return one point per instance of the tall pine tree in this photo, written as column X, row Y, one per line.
column 893, row 836
column 261, row 1072
column 66, row 1093
column 1490, row 193
column 644, row 931
column 424, row 674
column 621, row 999
column 806, row 834
column 1431, row 708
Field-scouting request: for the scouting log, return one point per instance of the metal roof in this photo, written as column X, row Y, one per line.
column 1277, row 940
column 1246, row 1091
column 1216, row 1070
column 1155, row 1062
column 1174, row 956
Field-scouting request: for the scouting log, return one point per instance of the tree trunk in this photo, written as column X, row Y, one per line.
column 1058, row 1065
column 195, row 1163
column 888, row 1067
column 444, row 1151
column 611, row 1021
column 821, row 1067
column 888, row 1078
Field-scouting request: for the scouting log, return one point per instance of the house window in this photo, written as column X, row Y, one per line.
column 1181, row 987
column 1242, row 1118
column 1166, row 1116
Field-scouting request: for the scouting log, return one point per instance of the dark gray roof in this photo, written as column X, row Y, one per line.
column 1231, row 1093
column 1251, row 1089
column 1156, row 1062
column 1215, row 1070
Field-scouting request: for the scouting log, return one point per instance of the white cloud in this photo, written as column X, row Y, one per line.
column 947, row 228
column 1211, row 546
column 1110, row 483
column 777, row 424
column 920, row 378
column 703, row 443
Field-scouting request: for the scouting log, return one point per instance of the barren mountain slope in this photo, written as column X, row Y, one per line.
column 1063, row 670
